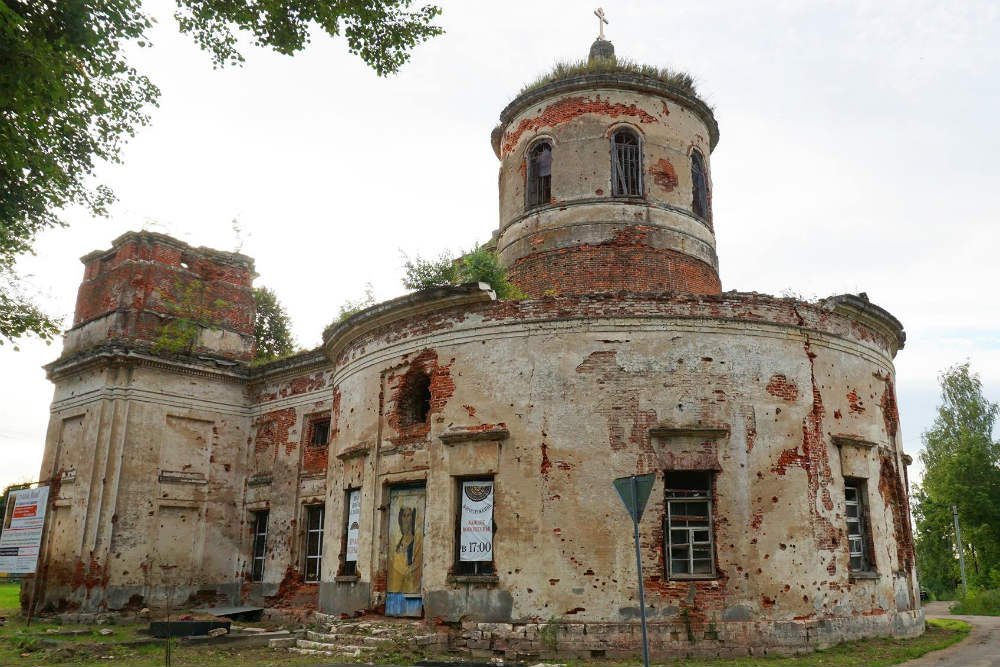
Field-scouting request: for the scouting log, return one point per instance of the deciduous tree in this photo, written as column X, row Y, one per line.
column 271, row 328
column 69, row 99
column 961, row 468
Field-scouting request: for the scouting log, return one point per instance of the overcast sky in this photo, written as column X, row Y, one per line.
column 859, row 152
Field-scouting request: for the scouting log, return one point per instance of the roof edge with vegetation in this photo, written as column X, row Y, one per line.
column 618, row 73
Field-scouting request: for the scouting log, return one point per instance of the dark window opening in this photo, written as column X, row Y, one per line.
column 539, row 186
column 320, row 433
column 858, row 529
column 699, row 185
column 349, row 540
column 475, row 527
column 315, row 515
column 259, row 534
column 415, row 402
column 626, row 164
column 688, row 530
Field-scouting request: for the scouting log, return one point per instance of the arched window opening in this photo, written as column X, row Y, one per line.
column 415, row 401
column 699, row 181
column 539, row 190
column 626, row 164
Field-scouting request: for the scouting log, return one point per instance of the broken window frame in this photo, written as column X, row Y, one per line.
column 414, row 404
column 674, row 500
column 313, row 549
column 348, row 568
column 319, row 425
column 700, row 201
column 465, row 568
column 859, row 541
column 538, row 186
column 626, row 164
column 258, row 544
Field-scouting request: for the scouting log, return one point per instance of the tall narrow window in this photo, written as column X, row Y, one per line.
column 474, row 543
column 626, row 164
column 259, row 545
column 314, row 541
column 699, row 185
column 689, row 524
column 858, row 533
column 539, row 186
column 352, row 526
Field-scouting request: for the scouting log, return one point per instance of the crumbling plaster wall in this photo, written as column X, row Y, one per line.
column 144, row 457
column 578, row 383
column 285, row 473
column 585, row 239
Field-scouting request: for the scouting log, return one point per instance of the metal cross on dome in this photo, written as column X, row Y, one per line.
column 599, row 13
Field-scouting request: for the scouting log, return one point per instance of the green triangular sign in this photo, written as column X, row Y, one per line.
column 635, row 502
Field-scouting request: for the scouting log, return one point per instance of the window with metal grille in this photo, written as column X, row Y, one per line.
column 314, row 541
column 259, row 545
column 699, row 185
column 539, row 186
column 689, row 524
column 626, row 164
column 319, row 434
column 858, row 533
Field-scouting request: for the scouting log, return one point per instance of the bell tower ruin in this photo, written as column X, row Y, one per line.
column 605, row 184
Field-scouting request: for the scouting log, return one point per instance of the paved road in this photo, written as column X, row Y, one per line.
column 981, row 647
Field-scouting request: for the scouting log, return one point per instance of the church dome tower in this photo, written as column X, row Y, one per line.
column 605, row 182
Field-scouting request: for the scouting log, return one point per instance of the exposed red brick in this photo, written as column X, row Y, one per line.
column 854, row 403
column 566, row 110
column 664, row 175
column 626, row 262
column 782, row 387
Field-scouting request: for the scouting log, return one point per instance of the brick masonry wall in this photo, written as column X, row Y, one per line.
column 625, row 263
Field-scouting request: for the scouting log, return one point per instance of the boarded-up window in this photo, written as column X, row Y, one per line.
column 858, row 531
column 626, row 164
column 352, row 527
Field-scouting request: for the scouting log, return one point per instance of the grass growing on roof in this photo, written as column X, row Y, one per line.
column 681, row 80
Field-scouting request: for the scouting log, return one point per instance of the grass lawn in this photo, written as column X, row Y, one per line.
column 9, row 597
column 23, row 646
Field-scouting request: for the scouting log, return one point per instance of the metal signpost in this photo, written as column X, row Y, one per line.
column 634, row 492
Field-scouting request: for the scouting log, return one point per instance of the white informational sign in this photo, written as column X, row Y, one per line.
column 353, row 524
column 22, row 530
column 477, row 521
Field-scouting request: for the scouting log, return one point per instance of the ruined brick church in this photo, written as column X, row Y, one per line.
column 449, row 454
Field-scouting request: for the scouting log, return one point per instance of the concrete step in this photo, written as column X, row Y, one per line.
column 339, row 637
column 309, row 651
column 333, row 647
column 282, row 642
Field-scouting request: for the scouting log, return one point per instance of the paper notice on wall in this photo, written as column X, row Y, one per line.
column 477, row 521
column 22, row 530
column 353, row 524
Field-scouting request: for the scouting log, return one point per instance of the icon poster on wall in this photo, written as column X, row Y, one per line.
column 353, row 524
column 22, row 530
column 477, row 521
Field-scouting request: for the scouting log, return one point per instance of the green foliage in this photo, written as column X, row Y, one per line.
column 979, row 602
column 10, row 596
column 382, row 33
column 548, row 634
column 479, row 265
column 962, row 468
column 69, row 98
column 564, row 70
column 191, row 310
column 426, row 273
column 350, row 307
column 271, row 328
